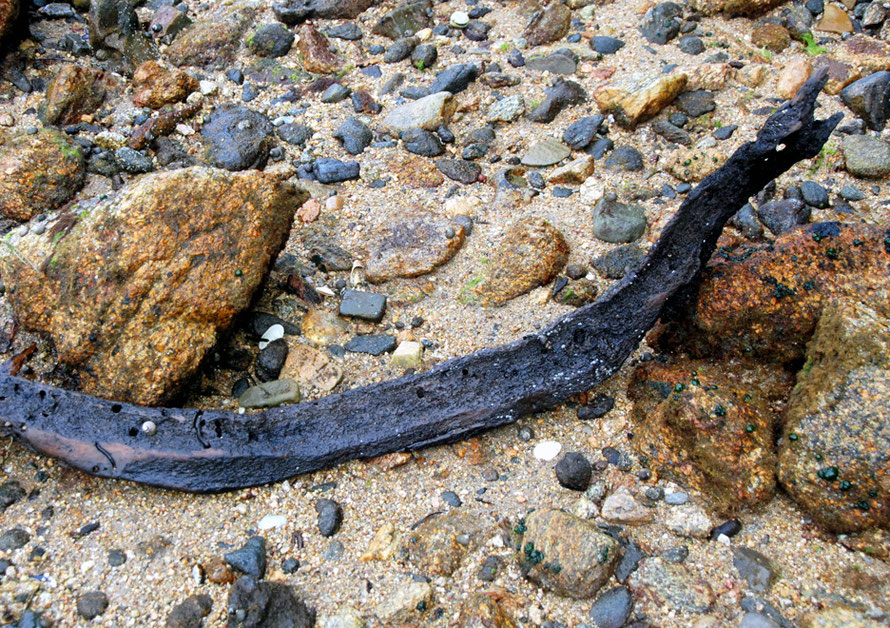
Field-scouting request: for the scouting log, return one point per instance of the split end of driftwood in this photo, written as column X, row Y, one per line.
column 211, row 450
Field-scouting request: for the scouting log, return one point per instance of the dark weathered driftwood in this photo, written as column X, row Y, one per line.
column 210, row 450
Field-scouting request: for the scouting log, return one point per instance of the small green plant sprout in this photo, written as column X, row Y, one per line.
column 810, row 46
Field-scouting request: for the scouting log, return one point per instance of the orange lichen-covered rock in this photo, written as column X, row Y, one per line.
column 73, row 92
column 763, row 301
column 710, row 427
column 39, row 173
column 530, row 255
column 134, row 288
column 156, row 86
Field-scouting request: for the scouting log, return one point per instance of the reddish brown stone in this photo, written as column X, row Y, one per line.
column 315, row 48
column 763, row 301
column 413, row 246
column 481, row 611
column 212, row 42
column 135, row 293
column 74, row 91
column 156, row 86
column 771, row 36
column 531, row 254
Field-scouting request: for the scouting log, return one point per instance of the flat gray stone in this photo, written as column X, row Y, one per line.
column 367, row 306
column 270, row 394
column 545, row 153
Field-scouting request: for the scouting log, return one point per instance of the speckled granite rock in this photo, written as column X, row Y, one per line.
column 212, row 42
column 658, row 585
column 838, row 616
column 710, row 427
column 833, row 459
column 438, row 545
column 637, row 98
column 134, row 295
column 763, row 302
column 548, row 24
column 565, row 554
column 413, row 246
column 39, row 173
column 481, row 611
column 530, row 255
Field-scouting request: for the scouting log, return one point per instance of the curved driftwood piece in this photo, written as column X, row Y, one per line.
column 210, row 450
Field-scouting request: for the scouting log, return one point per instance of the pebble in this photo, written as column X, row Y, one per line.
column 728, row 528
column 814, row 194
column 525, row 433
column 866, row 156
column 421, row 142
column 271, row 40
column 367, row 306
column 10, row 493
column 555, row 64
column 348, row 31
column 560, row 95
column 372, row 344
column 691, row 45
column 625, row 158
column 91, row 604
column 598, row 407
column 612, row 608
column 424, row 56
column 459, row 19
column 237, row 138
column 328, row 170
column 676, row 498
column 784, row 215
column 270, row 522
column 116, row 557
column 661, row 23
column 354, row 135
column 581, row 133
column 545, row 153
column 451, row 498
column 270, row 360
column 547, row 450
column 725, row 132
column 330, row 516
column 270, row 394
column 455, row 78
column 606, row 45
column 696, row 103
column 617, row 222
column 459, row 170
column 249, row 559
column 489, row 569
column 676, row 555
column 335, row 93
column 754, row 568
column 132, row 161
column 400, row 50
column 293, row 133
column 13, row 539
column 506, row 110
column 852, row 193
column 574, row 472
column 621, row 507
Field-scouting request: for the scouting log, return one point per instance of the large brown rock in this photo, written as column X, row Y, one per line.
column 637, row 98
column 9, row 11
column 530, row 255
column 212, row 42
column 566, row 554
column 834, row 459
column 155, row 86
column 413, row 246
column 39, row 173
column 73, row 92
column 763, row 301
column 135, row 293
column 710, row 427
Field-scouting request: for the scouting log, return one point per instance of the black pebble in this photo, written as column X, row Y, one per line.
column 270, row 360
column 451, row 498
column 290, row 565
column 330, row 516
column 729, row 528
column 251, row 558
column 574, row 471
column 117, row 557
column 598, row 407
column 91, row 604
